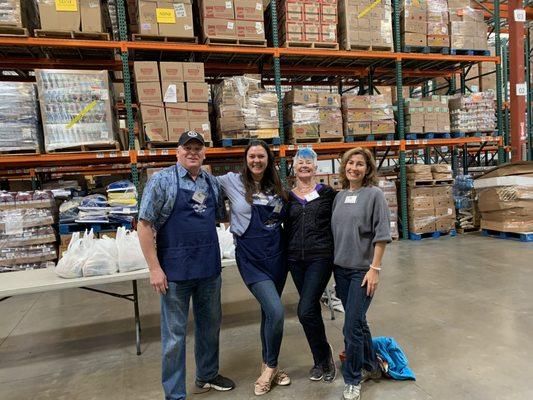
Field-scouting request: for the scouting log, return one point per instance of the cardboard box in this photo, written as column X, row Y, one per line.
column 250, row 30
column 424, row 226
column 172, row 91
column 250, row 10
column 152, row 112
column 311, row 12
column 219, row 28
column 302, row 131
column 193, row 72
column 148, row 92
column 197, row 112
column 202, row 127
column 156, row 131
column 146, row 71
column 294, row 31
column 176, row 129
column 351, row 101
column 311, row 32
column 379, row 127
column 358, row 129
column 118, row 91
column 299, row 96
column 414, row 39
column 175, row 19
column 217, row 9
column 59, row 15
column 328, row 33
column 228, row 124
column 443, row 201
column 328, row 13
column 421, row 203
column 197, row 92
column 334, row 181
column 147, row 17
column 445, row 212
column 171, row 71
column 177, row 111
column 91, row 16
column 329, row 100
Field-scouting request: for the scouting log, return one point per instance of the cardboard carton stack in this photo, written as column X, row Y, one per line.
column 487, row 72
column 367, row 115
column 365, row 25
column 505, row 198
column 438, row 20
column 473, row 113
column 231, row 21
column 244, row 109
column 74, row 15
column 388, row 187
column 414, row 23
column 307, row 21
column 330, row 116
column 467, row 27
column 427, row 115
column 173, row 99
column 17, row 14
column 171, row 18
column 302, row 116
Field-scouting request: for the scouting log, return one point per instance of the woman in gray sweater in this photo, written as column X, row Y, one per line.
column 361, row 230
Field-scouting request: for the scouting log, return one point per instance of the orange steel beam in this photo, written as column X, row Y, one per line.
column 32, row 63
column 504, row 9
column 87, row 44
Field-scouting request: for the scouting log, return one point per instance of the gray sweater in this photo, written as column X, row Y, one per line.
column 358, row 226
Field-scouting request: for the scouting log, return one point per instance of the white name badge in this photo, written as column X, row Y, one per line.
column 278, row 208
column 350, row 200
column 311, row 196
column 199, row 197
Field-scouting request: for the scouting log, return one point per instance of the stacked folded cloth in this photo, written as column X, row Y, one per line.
column 93, row 209
column 122, row 200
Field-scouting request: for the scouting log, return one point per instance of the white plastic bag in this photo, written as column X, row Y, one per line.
column 102, row 259
column 226, row 242
column 71, row 264
column 130, row 255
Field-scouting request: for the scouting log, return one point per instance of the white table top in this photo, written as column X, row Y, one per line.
column 44, row 280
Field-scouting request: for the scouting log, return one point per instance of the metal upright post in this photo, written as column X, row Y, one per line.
column 124, row 56
column 277, row 81
column 528, row 61
column 499, row 98
column 400, row 122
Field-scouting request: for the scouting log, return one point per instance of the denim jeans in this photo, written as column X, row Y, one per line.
column 357, row 337
column 272, row 318
column 205, row 295
column 311, row 279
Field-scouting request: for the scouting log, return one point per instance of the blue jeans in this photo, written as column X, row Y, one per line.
column 272, row 318
column 311, row 279
column 357, row 337
column 207, row 312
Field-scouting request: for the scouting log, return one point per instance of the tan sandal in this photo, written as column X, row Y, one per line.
column 264, row 383
column 282, row 379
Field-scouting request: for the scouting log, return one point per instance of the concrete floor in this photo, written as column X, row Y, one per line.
column 462, row 309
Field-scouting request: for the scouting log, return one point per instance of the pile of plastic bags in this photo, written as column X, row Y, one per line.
column 90, row 256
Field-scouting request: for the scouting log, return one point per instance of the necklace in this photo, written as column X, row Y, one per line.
column 304, row 189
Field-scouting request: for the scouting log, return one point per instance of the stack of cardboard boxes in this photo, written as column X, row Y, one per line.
column 467, row 27
column 17, row 14
column 367, row 115
column 438, row 20
column 307, row 21
column 73, row 15
column 473, row 113
column 232, row 20
column 244, row 109
column 388, row 187
column 364, row 24
column 414, row 23
column 302, row 116
column 428, row 115
column 173, row 104
column 171, row 18
column 330, row 116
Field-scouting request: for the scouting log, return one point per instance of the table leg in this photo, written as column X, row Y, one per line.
column 137, row 318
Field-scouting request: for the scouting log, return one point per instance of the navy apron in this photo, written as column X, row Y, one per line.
column 187, row 244
column 258, row 251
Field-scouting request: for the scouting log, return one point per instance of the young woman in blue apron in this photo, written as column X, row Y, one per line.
column 257, row 207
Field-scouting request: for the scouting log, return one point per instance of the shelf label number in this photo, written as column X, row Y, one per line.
column 520, row 15
column 521, row 89
column 67, row 5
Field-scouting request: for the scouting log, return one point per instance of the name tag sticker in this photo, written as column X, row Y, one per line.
column 278, row 208
column 199, row 197
column 311, row 196
column 350, row 200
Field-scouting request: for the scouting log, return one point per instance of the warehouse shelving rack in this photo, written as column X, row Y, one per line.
column 278, row 66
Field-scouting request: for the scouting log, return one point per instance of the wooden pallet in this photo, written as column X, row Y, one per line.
column 468, row 52
column 304, row 140
column 13, row 31
column 369, row 138
column 72, row 35
column 430, row 182
column 331, row 139
column 355, row 47
column 382, row 48
column 426, row 49
column 20, row 151
column 169, row 145
column 462, row 231
column 428, row 135
column 276, row 141
column 311, row 45
column 88, row 148
column 156, row 38
column 471, row 134
column 236, row 42
column 265, row 133
column 432, row 235
column 521, row 236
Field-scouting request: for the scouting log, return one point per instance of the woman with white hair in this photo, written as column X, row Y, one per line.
column 310, row 256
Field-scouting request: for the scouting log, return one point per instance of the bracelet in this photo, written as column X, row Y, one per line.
column 376, row 268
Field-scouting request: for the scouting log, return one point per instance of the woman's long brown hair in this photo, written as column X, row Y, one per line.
column 370, row 178
column 270, row 181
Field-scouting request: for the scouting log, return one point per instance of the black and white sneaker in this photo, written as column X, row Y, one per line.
column 316, row 373
column 220, row 383
column 330, row 370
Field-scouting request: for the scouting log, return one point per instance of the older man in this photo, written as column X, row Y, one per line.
column 179, row 206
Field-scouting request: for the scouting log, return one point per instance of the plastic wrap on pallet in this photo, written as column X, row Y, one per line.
column 467, row 27
column 463, row 190
column 19, row 116
column 76, row 108
column 474, row 112
column 438, row 20
column 10, row 13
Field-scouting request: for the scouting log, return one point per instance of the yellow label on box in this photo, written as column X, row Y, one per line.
column 165, row 16
column 67, row 5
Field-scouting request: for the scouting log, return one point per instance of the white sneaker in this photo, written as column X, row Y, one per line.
column 351, row 392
